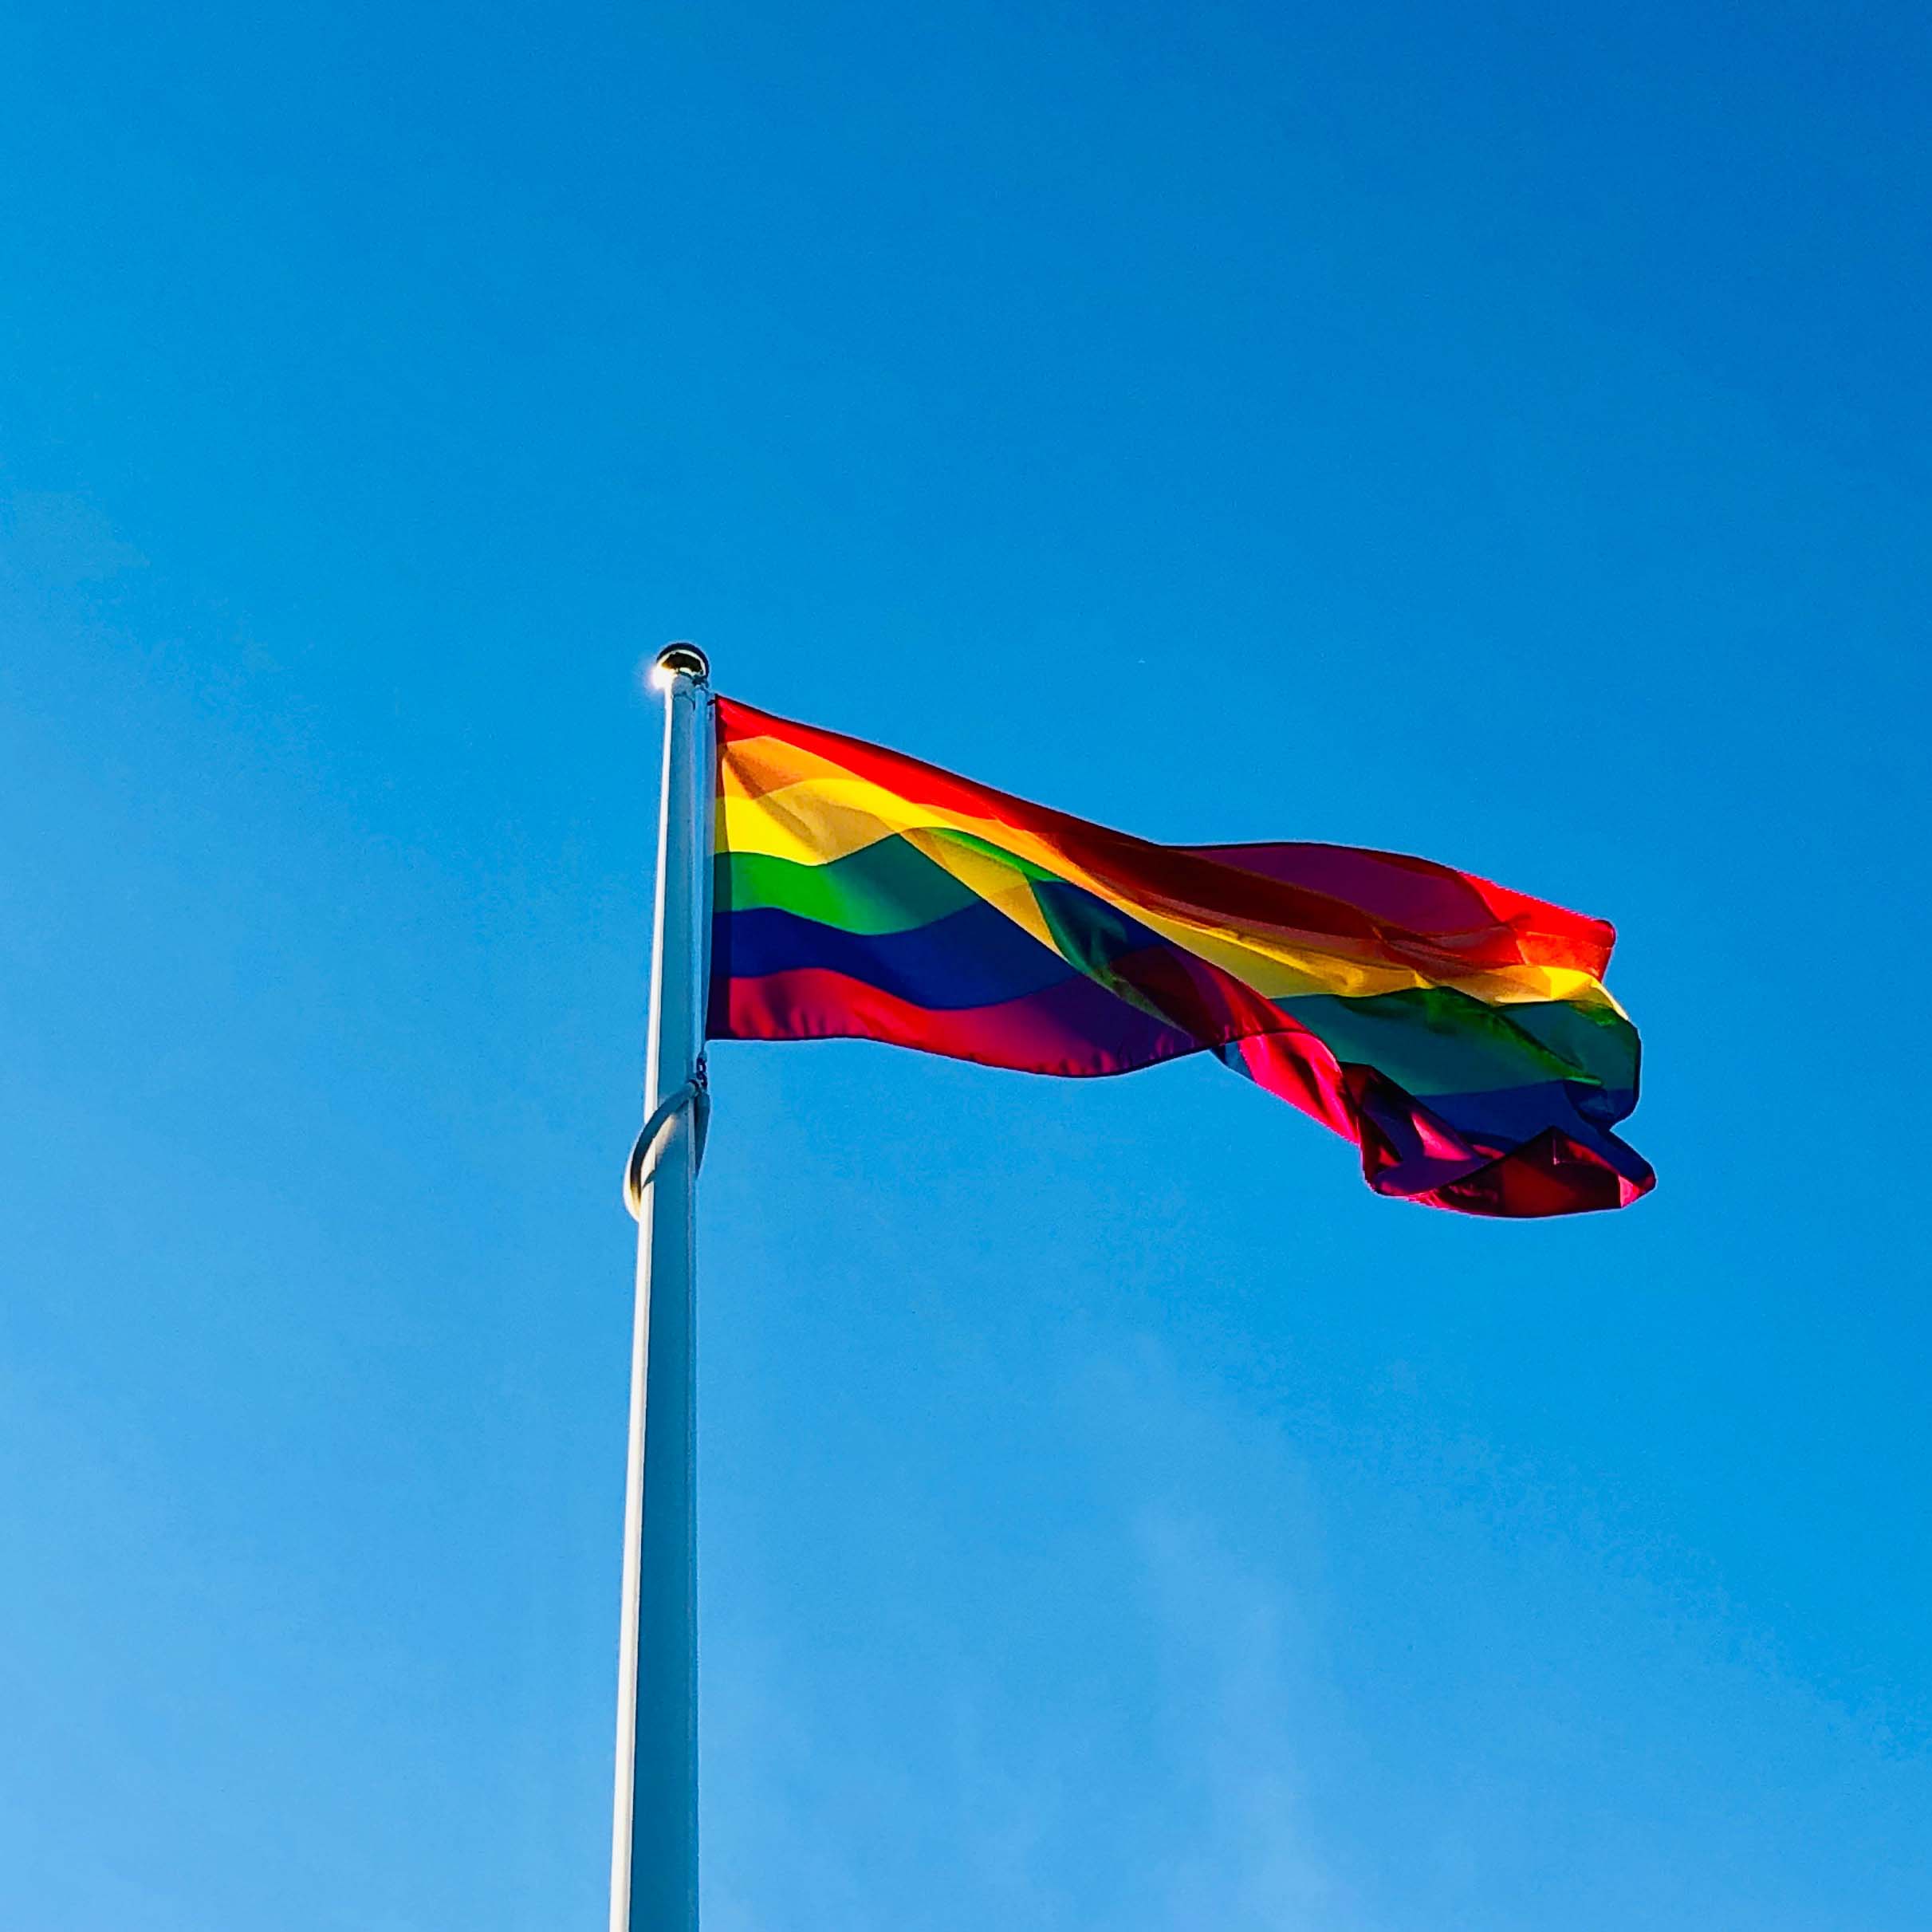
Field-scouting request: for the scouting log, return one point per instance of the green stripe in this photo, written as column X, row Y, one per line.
column 1437, row 1040
column 1433, row 1040
column 1025, row 867
column 1091, row 934
column 887, row 887
column 1597, row 1040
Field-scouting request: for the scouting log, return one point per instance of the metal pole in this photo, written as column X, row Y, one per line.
column 654, row 1829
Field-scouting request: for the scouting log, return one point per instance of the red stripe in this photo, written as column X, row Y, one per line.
column 1049, row 1031
column 1427, row 898
column 1408, row 1152
column 1052, row 1032
column 1361, row 904
column 1553, row 1175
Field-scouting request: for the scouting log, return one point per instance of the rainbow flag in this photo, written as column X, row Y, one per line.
column 1459, row 1034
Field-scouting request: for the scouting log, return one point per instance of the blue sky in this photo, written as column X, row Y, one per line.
column 1490, row 432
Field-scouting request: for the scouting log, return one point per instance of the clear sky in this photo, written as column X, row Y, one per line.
column 1498, row 431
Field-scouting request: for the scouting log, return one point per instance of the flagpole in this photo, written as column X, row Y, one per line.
column 654, row 1826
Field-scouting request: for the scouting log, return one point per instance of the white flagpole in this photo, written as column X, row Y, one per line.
column 654, row 1829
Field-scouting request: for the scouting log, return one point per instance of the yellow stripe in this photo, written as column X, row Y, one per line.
column 828, row 814
column 807, row 827
column 1004, row 887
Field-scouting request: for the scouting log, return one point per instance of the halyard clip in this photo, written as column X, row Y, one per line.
column 649, row 1146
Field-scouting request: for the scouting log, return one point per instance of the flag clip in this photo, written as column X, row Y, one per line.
column 642, row 1167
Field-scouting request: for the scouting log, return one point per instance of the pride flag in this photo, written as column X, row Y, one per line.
column 1459, row 1034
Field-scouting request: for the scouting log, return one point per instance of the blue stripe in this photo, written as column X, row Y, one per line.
column 975, row 957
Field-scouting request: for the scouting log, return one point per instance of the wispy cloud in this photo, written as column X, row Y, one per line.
column 1238, row 1639
column 1160, row 1785
column 1234, row 1651
column 57, row 540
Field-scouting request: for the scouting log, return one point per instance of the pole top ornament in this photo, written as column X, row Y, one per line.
column 681, row 658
